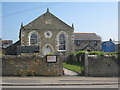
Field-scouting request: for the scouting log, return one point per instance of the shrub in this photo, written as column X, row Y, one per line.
column 93, row 53
column 50, row 54
column 73, row 53
column 110, row 54
column 78, row 53
column 97, row 53
column 113, row 55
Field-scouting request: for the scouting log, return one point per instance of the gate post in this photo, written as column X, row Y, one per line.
column 86, row 63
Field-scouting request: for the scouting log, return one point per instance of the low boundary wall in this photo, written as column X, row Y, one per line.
column 101, row 66
column 30, row 65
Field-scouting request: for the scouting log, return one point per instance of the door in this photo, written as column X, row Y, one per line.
column 47, row 49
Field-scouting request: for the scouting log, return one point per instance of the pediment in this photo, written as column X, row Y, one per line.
column 47, row 21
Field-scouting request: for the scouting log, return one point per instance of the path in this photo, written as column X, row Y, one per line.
column 69, row 72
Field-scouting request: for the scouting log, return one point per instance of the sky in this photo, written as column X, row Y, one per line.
column 88, row 17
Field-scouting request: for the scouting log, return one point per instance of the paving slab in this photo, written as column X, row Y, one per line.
column 69, row 72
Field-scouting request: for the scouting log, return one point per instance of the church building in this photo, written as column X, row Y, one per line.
column 46, row 34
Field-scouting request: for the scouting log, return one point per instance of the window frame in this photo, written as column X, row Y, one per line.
column 62, row 43
column 37, row 38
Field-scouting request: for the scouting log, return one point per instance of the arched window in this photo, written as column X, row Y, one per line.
column 62, row 42
column 33, row 39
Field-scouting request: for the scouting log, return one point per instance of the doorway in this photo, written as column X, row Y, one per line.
column 47, row 49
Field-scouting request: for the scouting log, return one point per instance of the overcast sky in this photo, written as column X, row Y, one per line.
column 88, row 17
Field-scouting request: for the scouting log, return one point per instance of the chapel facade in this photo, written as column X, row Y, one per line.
column 49, row 34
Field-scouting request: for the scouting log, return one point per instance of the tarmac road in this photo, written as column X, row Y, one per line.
column 61, row 82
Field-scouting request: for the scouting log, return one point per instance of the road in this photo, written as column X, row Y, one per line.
column 60, row 82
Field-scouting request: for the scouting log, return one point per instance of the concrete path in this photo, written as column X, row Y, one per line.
column 69, row 72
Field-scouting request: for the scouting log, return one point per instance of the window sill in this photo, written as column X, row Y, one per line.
column 61, row 50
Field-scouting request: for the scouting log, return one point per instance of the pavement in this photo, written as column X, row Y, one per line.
column 69, row 72
column 58, row 81
column 70, row 80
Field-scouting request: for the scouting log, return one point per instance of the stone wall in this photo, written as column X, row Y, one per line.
column 27, row 65
column 101, row 66
column 56, row 27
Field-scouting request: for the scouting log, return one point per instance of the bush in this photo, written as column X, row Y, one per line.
column 73, row 53
column 50, row 54
column 109, row 54
column 112, row 54
column 97, row 53
column 78, row 53
column 93, row 53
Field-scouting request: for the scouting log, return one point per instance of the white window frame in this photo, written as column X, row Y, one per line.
column 33, row 32
column 66, row 36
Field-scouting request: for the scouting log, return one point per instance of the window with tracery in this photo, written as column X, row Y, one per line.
column 62, row 42
column 33, row 39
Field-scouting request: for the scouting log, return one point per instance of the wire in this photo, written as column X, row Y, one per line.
column 28, row 10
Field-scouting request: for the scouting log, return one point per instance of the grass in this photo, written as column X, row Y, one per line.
column 74, row 66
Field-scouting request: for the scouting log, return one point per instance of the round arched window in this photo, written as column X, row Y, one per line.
column 33, row 39
column 62, row 42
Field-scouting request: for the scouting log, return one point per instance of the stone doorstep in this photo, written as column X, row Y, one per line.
column 57, row 84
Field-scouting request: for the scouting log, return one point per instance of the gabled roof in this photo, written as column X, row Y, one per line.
column 84, row 47
column 40, row 22
column 86, row 36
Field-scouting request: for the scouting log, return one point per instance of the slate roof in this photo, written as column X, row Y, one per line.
column 86, row 36
column 7, row 41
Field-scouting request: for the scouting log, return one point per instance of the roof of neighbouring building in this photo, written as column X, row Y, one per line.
column 7, row 41
column 116, row 42
column 86, row 36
